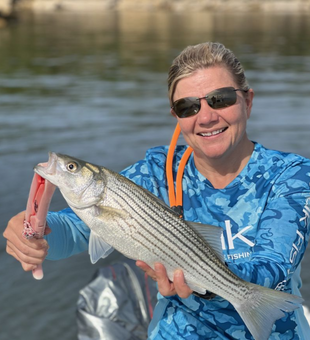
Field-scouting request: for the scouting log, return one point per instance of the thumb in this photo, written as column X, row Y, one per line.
column 47, row 230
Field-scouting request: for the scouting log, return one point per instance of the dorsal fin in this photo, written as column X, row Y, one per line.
column 212, row 235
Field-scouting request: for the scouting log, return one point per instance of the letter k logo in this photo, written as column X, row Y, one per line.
column 231, row 238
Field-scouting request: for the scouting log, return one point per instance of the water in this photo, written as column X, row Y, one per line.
column 94, row 86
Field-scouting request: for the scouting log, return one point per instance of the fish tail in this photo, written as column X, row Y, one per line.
column 265, row 306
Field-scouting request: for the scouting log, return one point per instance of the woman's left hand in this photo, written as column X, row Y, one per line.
column 165, row 286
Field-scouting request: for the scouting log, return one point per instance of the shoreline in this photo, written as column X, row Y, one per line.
column 276, row 6
column 174, row 6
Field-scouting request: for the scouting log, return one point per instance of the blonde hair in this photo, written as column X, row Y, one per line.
column 202, row 56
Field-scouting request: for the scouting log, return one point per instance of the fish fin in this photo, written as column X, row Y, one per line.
column 268, row 305
column 212, row 235
column 207, row 295
column 199, row 290
column 97, row 248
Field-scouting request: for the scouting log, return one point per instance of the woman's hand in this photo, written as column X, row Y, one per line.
column 165, row 286
column 30, row 252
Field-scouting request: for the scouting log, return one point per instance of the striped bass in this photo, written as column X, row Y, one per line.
column 130, row 219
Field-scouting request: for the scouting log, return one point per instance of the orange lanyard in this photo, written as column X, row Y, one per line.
column 176, row 196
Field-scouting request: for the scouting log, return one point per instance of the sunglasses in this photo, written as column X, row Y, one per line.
column 217, row 99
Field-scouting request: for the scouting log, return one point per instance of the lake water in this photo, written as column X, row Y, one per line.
column 94, row 86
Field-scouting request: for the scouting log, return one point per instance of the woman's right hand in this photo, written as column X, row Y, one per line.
column 165, row 286
column 29, row 252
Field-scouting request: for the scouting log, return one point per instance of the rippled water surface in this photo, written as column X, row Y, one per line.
column 94, row 86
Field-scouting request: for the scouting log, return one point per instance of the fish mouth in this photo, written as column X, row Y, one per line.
column 49, row 168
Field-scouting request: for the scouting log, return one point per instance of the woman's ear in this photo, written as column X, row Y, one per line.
column 173, row 113
column 249, row 101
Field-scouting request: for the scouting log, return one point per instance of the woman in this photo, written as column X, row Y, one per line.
column 258, row 196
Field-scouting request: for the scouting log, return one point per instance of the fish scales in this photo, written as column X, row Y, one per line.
column 175, row 241
column 190, row 238
column 173, row 225
column 127, row 217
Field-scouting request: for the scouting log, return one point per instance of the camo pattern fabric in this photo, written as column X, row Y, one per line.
column 265, row 216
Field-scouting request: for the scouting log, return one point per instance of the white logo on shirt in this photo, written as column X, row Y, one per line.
column 297, row 245
column 299, row 241
column 239, row 235
column 306, row 211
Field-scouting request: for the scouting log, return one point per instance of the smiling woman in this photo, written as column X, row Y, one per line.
column 242, row 182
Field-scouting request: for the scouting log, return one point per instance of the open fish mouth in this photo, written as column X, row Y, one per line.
column 47, row 168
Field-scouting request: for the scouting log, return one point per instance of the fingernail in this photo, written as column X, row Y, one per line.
column 178, row 273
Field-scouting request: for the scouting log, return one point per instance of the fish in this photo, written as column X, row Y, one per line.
column 124, row 216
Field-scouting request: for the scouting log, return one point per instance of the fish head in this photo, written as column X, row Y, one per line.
column 81, row 183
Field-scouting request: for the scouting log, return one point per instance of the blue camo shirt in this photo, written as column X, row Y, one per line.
column 264, row 213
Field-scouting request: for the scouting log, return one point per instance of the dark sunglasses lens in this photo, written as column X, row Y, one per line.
column 186, row 107
column 221, row 98
column 217, row 99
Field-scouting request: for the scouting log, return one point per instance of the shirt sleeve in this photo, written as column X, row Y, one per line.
column 69, row 234
column 283, row 232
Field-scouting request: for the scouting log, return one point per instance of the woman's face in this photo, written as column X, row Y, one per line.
column 214, row 133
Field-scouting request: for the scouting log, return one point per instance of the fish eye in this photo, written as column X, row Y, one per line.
column 72, row 166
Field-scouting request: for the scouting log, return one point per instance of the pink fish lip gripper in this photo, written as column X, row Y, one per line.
column 40, row 195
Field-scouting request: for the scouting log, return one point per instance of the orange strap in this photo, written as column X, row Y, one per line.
column 176, row 196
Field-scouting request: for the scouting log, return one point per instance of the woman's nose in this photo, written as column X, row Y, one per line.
column 206, row 113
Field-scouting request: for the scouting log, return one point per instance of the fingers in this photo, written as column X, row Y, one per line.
column 181, row 287
column 147, row 269
column 165, row 286
column 27, row 256
column 30, row 252
column 27, row 264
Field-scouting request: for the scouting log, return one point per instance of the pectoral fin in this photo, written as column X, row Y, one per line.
column 97, row 248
